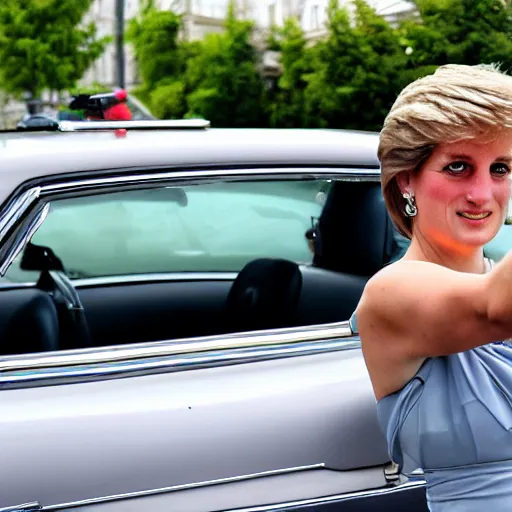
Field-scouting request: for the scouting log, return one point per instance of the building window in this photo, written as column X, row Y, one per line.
column 315, row 20
column 272, row 13
column 99, row 9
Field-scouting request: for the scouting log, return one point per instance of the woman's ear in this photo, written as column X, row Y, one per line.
column 404, row 182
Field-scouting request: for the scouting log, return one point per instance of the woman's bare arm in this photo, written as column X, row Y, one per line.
column 419, row 309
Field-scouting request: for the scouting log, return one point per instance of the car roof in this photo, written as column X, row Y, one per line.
column 32, row 155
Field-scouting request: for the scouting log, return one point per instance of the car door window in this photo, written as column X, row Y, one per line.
column 215, row 227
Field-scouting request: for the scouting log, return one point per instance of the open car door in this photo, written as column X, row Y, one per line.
column 291, row 424
column 279, row 418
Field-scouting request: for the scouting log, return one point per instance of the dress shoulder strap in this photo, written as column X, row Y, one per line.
column 353, row 324
column 489, row 264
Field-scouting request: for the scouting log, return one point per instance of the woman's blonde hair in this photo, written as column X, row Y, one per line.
column 456, row 103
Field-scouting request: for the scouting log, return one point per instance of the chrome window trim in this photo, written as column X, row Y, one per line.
column 16, row 208
column 8, row 253
column 124, row 279
column 401, row 487
column 169, row 176
column 65, row 367
column 154, row 278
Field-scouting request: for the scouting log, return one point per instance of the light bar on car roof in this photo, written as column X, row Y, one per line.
column 178, row 124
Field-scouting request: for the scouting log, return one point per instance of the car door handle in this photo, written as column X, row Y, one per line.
column 27, row 507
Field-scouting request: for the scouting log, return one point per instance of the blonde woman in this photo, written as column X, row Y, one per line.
column 434, row 324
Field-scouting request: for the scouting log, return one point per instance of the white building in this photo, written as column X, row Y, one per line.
column 103, row 13
column 314, row 13
column 200, row 17
column 205, row 16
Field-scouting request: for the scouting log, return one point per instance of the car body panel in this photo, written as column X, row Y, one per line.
column 188, row 427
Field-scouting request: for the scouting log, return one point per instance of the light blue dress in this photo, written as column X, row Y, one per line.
column 453, row 420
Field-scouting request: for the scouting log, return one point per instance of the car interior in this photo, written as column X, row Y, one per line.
column 354, row 237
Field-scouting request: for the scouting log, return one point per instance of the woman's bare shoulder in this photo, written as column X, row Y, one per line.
column 397, row 277
column 424, row 309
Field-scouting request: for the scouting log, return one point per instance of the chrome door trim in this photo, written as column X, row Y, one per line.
column 184, row 487
column 121, row 353
column 405, row 486
column 171, row 356
column 90, row 373
column 26, row 507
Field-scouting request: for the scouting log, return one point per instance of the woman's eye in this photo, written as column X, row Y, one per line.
column 500, row 169
column 457, row 167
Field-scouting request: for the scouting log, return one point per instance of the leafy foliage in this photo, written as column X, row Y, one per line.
column 349, row 79
column 287, row 107
column 154, row 36
column 43, row 45
column 462, row 32
column 223, row 78
column 356, row 70
column 216, row 78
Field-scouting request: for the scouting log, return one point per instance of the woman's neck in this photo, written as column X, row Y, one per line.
column 467, row 259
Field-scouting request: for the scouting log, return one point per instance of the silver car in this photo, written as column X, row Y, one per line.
column 174, row 319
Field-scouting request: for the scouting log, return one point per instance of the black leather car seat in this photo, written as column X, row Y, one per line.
column 264, row 295
column 354, row 238
column 355, row 234
column 29, row 322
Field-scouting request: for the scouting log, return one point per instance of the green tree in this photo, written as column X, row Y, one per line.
column 356, row 70
column 287, row 105
column 154, row 35
column 224, row 80
column 161, row 59
column 460, row 32
column 44, row 46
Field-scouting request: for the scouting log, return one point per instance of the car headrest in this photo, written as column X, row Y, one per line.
column 265, row 295
column 355, row 234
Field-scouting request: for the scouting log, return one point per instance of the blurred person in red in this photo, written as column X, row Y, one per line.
column 110, row 106
column 119, row 111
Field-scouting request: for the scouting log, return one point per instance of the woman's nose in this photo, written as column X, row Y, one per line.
column 480, row 189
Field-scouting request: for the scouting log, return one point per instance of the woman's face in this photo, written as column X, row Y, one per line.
column 462, row 192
